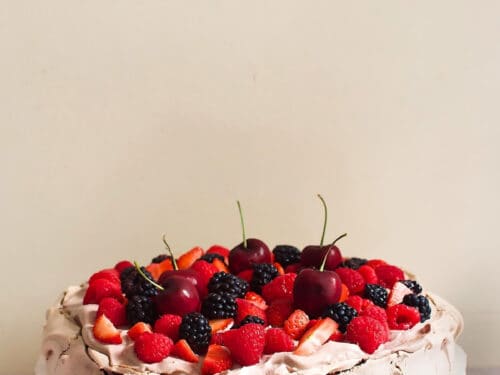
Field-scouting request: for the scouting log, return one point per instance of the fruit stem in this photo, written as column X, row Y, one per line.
column 174, row 262
column 322, row 267
column 242, row 224
column 145, row 277
column 324, row 221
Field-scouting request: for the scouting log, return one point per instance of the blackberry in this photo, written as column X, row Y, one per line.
column 140, row 309
column 413, row 285
column 160, row 258
column 219, row 306
column 286, row 255
column 263, row 273
column 211, row 256
column 226, row 282
column 196, row 331
column 134, row 284
column 377, row 294
column 354, row 263
column 342, row 313
column 421, row 303
column 250, row 319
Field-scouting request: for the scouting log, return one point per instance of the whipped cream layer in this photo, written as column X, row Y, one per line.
column 69, row 348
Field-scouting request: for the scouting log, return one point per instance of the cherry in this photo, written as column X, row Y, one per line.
column 314, row 290
column 251, row 251
column 179, row 296
column 312, row 255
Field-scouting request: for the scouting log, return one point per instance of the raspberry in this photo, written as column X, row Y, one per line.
column 246, row 343
column 168, row 325
column 296, row 324
column 402, row 317
column 100, row 289
column 120, row 266
column 388, row 275
column 375, row 312
column 368, row 274
column 278, row 311
column 278, row 341
column 205, row 271
column 246, row 308
column 352, row 279
column 356, row 302
column 367, row 332
column 109, row 274
column 153, row 347
column 280, row 287
column 114, row 311
column 374, row 263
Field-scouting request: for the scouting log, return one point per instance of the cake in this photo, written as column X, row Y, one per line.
column 251, row 311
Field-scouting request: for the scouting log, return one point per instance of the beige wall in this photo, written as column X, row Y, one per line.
column 121, row 120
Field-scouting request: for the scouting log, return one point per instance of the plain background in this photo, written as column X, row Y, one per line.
column 121, row 120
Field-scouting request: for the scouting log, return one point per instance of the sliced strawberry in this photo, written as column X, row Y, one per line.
column 187, row 259
column 183, row 351
column 279, row 287
column 220, row 324
column 220, row 265
column 296, row 324
column 248, row 308
column 279, row 267
column 399, row 290
column 166, row 265
column 218, row 359
column 277, row 340
column 344, row 294
column 138, row 329
column 278, row 311
column 154, row 270
column 105, row 332
column 221, row 250
column 316, row 336
column 256, row 299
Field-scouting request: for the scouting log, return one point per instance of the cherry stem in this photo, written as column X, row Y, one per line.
column 138, row 268
column 174, row 262
column 328, row 251
column 324, row 221
column 242, row 224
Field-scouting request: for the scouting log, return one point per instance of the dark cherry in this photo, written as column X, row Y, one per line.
column 179, row 296
column 188, row 274
column 251, row 251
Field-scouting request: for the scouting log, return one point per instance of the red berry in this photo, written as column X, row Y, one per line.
column 168, row 325
column 278, row 311
column 109, row 274
column 278, row 340
column 368, row 274
column 205, row 271
column 374, row 263
column 246, row 275
column 120, row 266
column 114, row 311
column 352, row 279
column 183, row 351
column 153, row 347
column 367, row 332
column 256, row 299
column 105, row 332
column 217, row 249
column 398, row 292
column 296, row 324
column 138, row 329
column 402, row 317
column 248, row 308
column 218, row 359
column 375, row 312
column 100, row 289
column 187, row 259
column 246, row 344
column 316, row 336
column 388, row 275
column 356, row 302
column 279, row 287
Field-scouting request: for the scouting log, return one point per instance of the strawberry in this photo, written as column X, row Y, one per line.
column 316, row 336
column 368, row 274
column 187, row 259
column 246, row 344
column 246, row 275
column 278, row 340
column 279, row 267
column 168, row 325
column 152, row 347
column 374, row 263
column 220, row 265
column 402, row 317
column 388, row 275
column 399, row 290
column 120, row 266
column 221, row 250
column 296, row 324
column 352, row 279
column 367, row 332
column 344, row 294
column 279, row 287
column 100, row 289
column 205, row 271
column 218, row 359
column 278, row 311
column 114, row 311
column 217, row 338
column 220, row 324
column 183, row 351
column 138, row 329
column 256, row 299
column 154, row 270
column 105, row 332
column 248, row 308
column 109, row 274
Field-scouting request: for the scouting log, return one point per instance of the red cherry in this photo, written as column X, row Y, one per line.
column 179, row 296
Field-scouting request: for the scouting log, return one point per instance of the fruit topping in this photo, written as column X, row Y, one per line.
column 138, row 329
column 246, row 307
column 342, row 313
column 256, row 299
column 399, row 290
column 354, row 263
column 296, row 324
column 209, row 257
column 278, row 311
column 251, row 319
column 196, row 330
column 122, row 265
column 226, row 282
column 114, row 311
column 316, row 336
column 140, row 309
column 263, row 273
column 367, row 332
column 277, row 340
column 280, row 287
column 105, row 332
column 402, row 317
column 388, row 275
column 218, row 359
column 134, row 284
column 186, row 260
column 352, row 279
column 168, row 325
column 102, row 288
column 219, row 306
column 375, row 312
column 413, row 285
column 368, row 274
column 246, row 343
column 377, row 294
column 220, row 324
column 421, row 303
column 109, row 274
column 152, row 347
column 286, row 255
column 183, row 351
column 160, row 258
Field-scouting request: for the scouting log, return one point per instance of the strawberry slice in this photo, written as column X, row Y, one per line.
column 186, row 260
column 218, row 359
column 279, row 267
column 220, row 265
column 316, row 336
column 138, row 329
column 344, row 294
column 246, row 275
column 183, row 351
column 256, row 299
column 248, row 308
column 154, row 270
column 399, row 290
column 220, row 324
column 221, row 250
column 296, row 324
column 105, row 332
